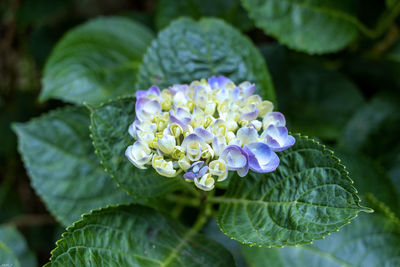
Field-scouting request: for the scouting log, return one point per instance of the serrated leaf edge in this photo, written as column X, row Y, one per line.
column 14, row 127
column 324, row 149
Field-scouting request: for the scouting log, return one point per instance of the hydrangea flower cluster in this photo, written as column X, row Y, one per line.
column 206, row 129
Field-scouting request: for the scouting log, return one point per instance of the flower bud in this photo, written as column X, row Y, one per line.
column 256, row 124
column 163, row 167
column 184, row 163
column 218, row 144
column 166, row 101
column 200, row 96
column 253, row 99
column 192, row 144
column 161, row 122
column 265, row 107
column 207, row 152
column 188, row 130
column 231, row 125
column 146, row 137
column 218, row 168
column 166, row 144
column 146, row 109
column 210, row 108
column 219, row 127
column 175, row 130
column 208, row 121
column 177, row 152
column 139, row 154
column 273, row 118
column 247, row 135
column 206, row 182
column 198, row 118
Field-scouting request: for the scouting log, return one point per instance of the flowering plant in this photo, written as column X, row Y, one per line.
column 195, row 153
column 206, row 129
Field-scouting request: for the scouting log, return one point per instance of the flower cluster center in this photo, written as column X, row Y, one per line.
column 206, row 129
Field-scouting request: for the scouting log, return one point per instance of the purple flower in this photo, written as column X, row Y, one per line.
column 250, row 115
column 218, row 144
column 247, row 135
column 141, row 126
column 261, row 158
column 193, row 145
column 206, row 135
column 274, row 118
column 236, row 159
column 277, row 138
column 146, row 109
column 133, row 128
column 178, row 88
column 181, row 116
column 236, row 93
column 218, row 81
column 247, row 88
column 154, row 90
column 196, row 170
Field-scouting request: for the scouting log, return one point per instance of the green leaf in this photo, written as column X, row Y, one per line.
column 394, row 171
column 65, row 172
column 306, row 25
column 370, row 178
column 188, row 50
column 110, row 123
column 96, row 61
column 7, row 256
column 135, row 236
column 371, row 240
column 228, row 10
column 374, row 128
column 325, row 99
column 309, row 196
column 17, row 249
column 212, row 231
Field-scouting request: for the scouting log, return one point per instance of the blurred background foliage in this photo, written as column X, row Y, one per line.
column 349, row 100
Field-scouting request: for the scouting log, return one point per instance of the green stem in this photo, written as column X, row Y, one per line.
column 387, row 19
column 384, row 22
column 199, row 223
column 191, row 188
column 204, row 214
column 215, row 199
column 184, row 200
column 177, row 210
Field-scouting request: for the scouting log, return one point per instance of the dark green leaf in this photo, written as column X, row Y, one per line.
column 309, row 26
column 17, row 245
column 110, row 124
column 96, row 61
column 374, row 128
column 370, row 178
column 187, row 50
column 394, row 171
column 371, row 240
column 135, row 236
column 229, row 10
column 316, row 101
column 7, row 256
column 65, row 172
column 212, row 231
column 309, row 196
